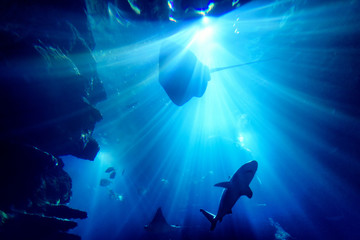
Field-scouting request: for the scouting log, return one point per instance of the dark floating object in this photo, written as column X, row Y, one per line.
column 182, row 75
column 159, row 224
column 237, row 186
column 104, row 182
column 110, row 169
column 112, row 175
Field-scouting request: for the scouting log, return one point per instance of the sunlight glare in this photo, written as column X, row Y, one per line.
column 104, row 157
column 204, row 35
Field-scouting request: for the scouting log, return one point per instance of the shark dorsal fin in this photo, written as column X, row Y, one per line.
column 248, row 192
column 223, row 184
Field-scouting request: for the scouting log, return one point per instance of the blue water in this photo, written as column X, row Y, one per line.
column 297, row 113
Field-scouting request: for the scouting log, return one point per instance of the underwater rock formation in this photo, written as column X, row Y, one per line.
column 34, row 226
column 33, row 186
column 31, row 178
column 48, row 87
column 48, row 77
column 63, row 211
column 44, row 101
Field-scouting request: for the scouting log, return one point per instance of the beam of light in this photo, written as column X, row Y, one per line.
column 273, row 108
column 241, row 140
column 204, row 34
column 105, row 158
column 205, row 20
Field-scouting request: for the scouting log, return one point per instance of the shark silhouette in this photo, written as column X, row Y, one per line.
column 159, row 224
column 234, row 189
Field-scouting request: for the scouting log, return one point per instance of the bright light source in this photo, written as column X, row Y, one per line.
column 204, row 34
column 205, row 20
column 241, row 140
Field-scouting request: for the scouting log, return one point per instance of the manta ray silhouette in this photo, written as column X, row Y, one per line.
column 159, row 224
column 182, row 75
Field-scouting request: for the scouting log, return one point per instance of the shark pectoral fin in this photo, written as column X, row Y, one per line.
column 223, row 184
column 248, row 192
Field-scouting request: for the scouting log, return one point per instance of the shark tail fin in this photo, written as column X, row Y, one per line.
column 211, row 217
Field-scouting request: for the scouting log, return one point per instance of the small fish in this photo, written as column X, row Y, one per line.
column 110, row 169
column 104, row 182
column 112, row 175
column 115, row 196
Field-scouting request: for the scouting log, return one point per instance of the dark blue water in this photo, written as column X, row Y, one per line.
column 297, row 113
